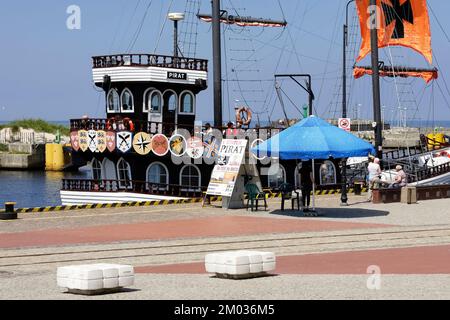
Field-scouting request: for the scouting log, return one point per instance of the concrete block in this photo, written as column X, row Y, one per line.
column 238, row 270
column 95, row 278
column 126, row 281
column 256, row 268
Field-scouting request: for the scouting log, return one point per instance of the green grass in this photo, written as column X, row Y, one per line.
column 37, row 125
column 3, row 148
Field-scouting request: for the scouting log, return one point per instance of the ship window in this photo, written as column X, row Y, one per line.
column 157, row 173
column 96, row 170
column 170, row 99
column 187, row 103
column 113, row 101
column 190, row 178
column 127, row 101
column 152, row 101
column 276, row 180
column 327, row 173
column 124, row 171
column 156, row 102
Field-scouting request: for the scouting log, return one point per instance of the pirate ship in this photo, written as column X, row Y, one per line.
column 150, row 145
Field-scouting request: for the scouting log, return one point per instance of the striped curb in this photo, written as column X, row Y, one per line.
column 269, row 195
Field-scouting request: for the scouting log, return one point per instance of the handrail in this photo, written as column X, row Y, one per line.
column 149, row 60
column 153, row 127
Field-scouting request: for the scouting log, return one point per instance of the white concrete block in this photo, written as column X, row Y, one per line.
column 268, row 257
column 85, row 284
column 126, row 281
column 269, row 266
column 237, row 259
column 256, row 268
column 109, row 270
column 86, row 272
column 237, row 270
column 253, row 256
column 125, row 270
column 221, row 268
column 210, row 267
column 110, row 283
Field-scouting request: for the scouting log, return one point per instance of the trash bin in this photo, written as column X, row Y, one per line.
column 357, row 187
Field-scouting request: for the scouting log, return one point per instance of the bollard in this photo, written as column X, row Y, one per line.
column 10, row 213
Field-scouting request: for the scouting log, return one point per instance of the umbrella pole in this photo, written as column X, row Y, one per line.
column 314, row 185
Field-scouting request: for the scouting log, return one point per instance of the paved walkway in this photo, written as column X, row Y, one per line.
column 222, row 226
column 399, row 261
column 326, row 257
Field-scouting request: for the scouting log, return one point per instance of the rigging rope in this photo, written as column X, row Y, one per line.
column 138, row 31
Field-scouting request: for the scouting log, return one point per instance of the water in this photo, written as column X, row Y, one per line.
column 33, row 188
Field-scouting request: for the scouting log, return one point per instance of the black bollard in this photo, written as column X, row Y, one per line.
column 10, row 213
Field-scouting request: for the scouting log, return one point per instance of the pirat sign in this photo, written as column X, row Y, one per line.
column 402, row 23
column 225, row 173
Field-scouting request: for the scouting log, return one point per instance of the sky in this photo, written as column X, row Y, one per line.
column 45, row 68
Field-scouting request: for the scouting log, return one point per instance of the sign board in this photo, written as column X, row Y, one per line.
column 345, row 124
column 226, row 172
column 176, row 75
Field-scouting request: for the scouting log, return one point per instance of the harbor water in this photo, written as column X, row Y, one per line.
column 34, row 188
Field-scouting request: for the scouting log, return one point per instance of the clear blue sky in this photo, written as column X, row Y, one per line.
column 46, row 68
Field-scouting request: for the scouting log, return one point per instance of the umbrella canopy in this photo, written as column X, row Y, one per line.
column 314, row 138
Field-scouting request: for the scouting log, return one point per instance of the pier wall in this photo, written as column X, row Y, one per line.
column 23, row 157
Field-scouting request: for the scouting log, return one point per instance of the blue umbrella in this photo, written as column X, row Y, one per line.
column 314, row 138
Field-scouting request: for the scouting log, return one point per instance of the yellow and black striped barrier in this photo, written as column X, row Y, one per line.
column 269, row 195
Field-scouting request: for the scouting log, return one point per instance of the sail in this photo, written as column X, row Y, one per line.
column 402, row 23
column 426, row 74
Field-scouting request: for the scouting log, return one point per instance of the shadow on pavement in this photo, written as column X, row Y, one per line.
column 337, row 213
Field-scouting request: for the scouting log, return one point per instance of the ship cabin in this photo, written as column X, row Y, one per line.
column 154, row 94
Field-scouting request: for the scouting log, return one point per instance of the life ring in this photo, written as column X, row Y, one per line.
column 128, row 123
column 110, row 124
column 243, row 116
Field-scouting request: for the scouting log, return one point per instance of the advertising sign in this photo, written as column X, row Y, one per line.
column 225, row 173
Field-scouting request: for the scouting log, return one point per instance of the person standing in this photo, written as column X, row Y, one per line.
column 374, row 176
column 307, row 181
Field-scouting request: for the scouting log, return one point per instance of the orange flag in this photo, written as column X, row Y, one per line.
column 401, row 23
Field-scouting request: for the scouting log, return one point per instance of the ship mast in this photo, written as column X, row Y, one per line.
column 217, row 64
column 376, row 80
column 220, row 16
